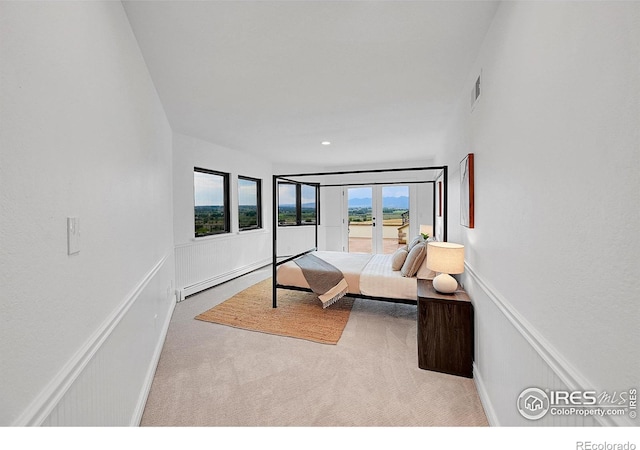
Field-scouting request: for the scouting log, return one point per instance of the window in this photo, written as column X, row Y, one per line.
column 308, row 204
column 249, row 204
column 211, row 200
column 287, row 209
column 297, row 204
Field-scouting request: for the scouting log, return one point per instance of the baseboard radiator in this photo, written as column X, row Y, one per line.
column 206, row 263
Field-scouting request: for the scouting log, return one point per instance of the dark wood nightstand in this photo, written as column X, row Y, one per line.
column 445, row 331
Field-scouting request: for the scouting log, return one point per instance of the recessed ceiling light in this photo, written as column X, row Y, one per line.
column 326, row 143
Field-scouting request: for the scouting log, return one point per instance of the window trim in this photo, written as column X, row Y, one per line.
column 258, row 182
column 299, row 222
column 226, row 197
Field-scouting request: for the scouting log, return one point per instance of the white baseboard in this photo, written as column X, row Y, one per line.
column 492, row 418
column 144, row 395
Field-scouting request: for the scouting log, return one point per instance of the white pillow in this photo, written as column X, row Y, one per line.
column 423, row 272
column 416, row 240
column 398, row 258
column 414, row 260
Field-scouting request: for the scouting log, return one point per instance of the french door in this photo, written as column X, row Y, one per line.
column 377, row 218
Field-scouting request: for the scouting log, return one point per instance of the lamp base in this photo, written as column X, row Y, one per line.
column 445, row 283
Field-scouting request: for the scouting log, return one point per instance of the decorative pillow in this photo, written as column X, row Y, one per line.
column 399, row 258
column 414, row 260
column 416, row 240
column 423, row 272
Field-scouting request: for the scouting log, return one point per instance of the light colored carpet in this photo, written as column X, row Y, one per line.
column 215, row 375
column 299, row 314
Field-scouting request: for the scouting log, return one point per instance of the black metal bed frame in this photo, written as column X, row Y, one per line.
column 288, row 178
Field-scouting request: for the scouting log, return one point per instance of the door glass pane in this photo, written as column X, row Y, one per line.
column 360, row 206
column 395, row 217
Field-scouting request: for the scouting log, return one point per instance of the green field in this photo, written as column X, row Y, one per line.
column 364, row 214
column 209, row 220
column 287, row 215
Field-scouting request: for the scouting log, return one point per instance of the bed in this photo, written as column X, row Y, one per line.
column 369, row 276
column 362, row 275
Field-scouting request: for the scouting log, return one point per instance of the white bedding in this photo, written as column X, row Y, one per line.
column 378, row 280
column 369, row 275
column 350, row 264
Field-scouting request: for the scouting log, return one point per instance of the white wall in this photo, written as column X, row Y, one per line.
column 207, row 261
column 83, row 134
column 552, row 261
column 332, row 205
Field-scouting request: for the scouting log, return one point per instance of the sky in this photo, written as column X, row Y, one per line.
column 247, row 192
column 387, row 191
column 208, row 189
column 287, row 194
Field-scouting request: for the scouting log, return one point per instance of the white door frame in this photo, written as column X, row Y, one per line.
column 376, row 212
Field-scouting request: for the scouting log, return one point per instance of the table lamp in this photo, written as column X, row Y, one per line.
column 446, row 258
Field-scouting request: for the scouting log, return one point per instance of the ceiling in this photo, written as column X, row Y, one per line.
column 378, row 79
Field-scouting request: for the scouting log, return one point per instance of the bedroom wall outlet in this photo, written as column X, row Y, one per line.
column 73, row 235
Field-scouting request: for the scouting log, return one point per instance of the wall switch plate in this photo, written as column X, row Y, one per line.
column 73, row 235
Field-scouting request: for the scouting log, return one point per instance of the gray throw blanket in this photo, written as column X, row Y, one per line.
column 323, row 278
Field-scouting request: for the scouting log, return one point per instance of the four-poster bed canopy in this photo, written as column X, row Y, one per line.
column 320, row 180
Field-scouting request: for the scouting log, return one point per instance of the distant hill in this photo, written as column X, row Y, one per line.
column 359, row 202
column 388, row 202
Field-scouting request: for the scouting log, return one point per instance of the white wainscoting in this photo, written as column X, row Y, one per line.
column 106, row 383
column 208, row 262
column 510, row 356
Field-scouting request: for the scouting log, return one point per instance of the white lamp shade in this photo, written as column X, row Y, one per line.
column 445, row 257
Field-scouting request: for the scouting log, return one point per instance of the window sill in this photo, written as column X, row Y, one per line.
column 252, row 231
column 294, row 225
column 212, row 236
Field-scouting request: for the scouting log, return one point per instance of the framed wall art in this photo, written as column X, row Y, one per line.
column 466, row 192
